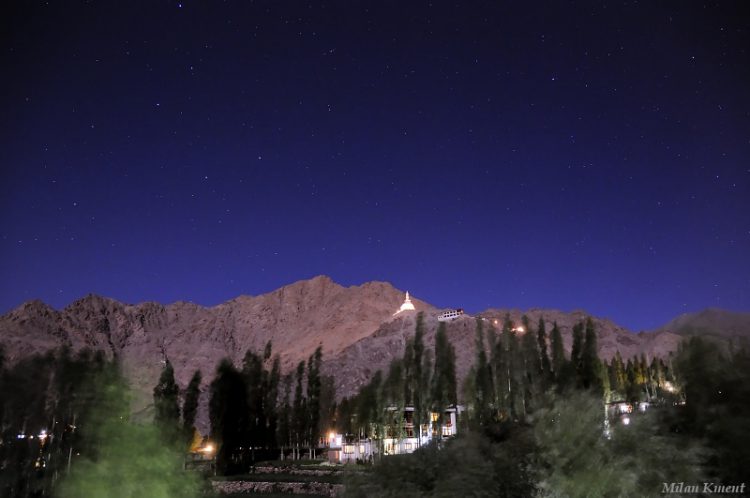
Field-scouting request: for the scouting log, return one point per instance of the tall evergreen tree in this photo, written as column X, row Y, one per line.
column 313, row 397
column 270, row 400
column 444, row 378
column 558, row 351
column 483, row 379
column 408, row 372
column 166, row 405
column 501, row 369
column 541, row 334
column 590, row 368
column 577, row 350
column 253, row 374
column 190, row 406
column 617, row 375
column 284, row 427
column 228, row 413
column 328, row 401
column 532, row 366
column 299, row 410
column 632, row 387
column 419, row 377
column 514, row 369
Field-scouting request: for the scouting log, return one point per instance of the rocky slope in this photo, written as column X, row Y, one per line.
column 712, row 321
column 354, row 325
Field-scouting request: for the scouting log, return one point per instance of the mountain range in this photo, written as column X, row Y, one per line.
column 355, row 326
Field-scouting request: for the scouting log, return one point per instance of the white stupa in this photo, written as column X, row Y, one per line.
column 406, row 306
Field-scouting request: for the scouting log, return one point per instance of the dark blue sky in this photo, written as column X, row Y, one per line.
column 568, row 155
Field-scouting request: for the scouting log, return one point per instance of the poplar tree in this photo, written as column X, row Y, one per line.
column 514, row 368
column 166, row 405
column 252, row 371
column 501, row 367
column 418, row 380
column 577, row 350
column 541, row 335
column 313, row 398
column 483, row 378
column 617, row 374
column 531, row 366
column 270, row 400
column 284, row 428
column 299, row 410
column 444, row 378
column 228, row 413
column 558, row 350
column 559, row 363
column 590, row 368
column 190, row 406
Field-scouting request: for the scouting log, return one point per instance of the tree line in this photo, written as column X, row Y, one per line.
column 420, row 379
column 66, row 430
column 253, row 409
column 535, row 424
column 525, row 362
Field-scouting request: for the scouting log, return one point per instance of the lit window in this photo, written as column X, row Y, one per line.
column 361, row 449
column 349, row 448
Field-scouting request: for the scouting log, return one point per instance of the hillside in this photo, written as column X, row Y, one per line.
column 712, row 321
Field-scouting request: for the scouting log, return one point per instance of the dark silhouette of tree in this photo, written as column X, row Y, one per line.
column 166, row 403
column 617, row 379
column 541, row 335
column 576, row 352
column 444, row 388
column 284, row 426
column 228, row 413
column 190, row 406
column 510, row 373
column 271, row 381
column 558, row 357
column 313, row 398
column 253, row 374
column 299, row 411
column 591, row 372
column 419, row 379
column 483, row 389
column 532, row 378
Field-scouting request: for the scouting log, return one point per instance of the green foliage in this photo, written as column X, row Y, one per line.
column 125, row 459
column 717, row 389
column 472, row 465
column 575, row 459
column 55, row 393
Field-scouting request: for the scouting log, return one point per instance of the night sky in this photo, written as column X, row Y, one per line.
column 566, row 155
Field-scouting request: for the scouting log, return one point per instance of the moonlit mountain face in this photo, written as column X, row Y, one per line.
column 355, row 326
